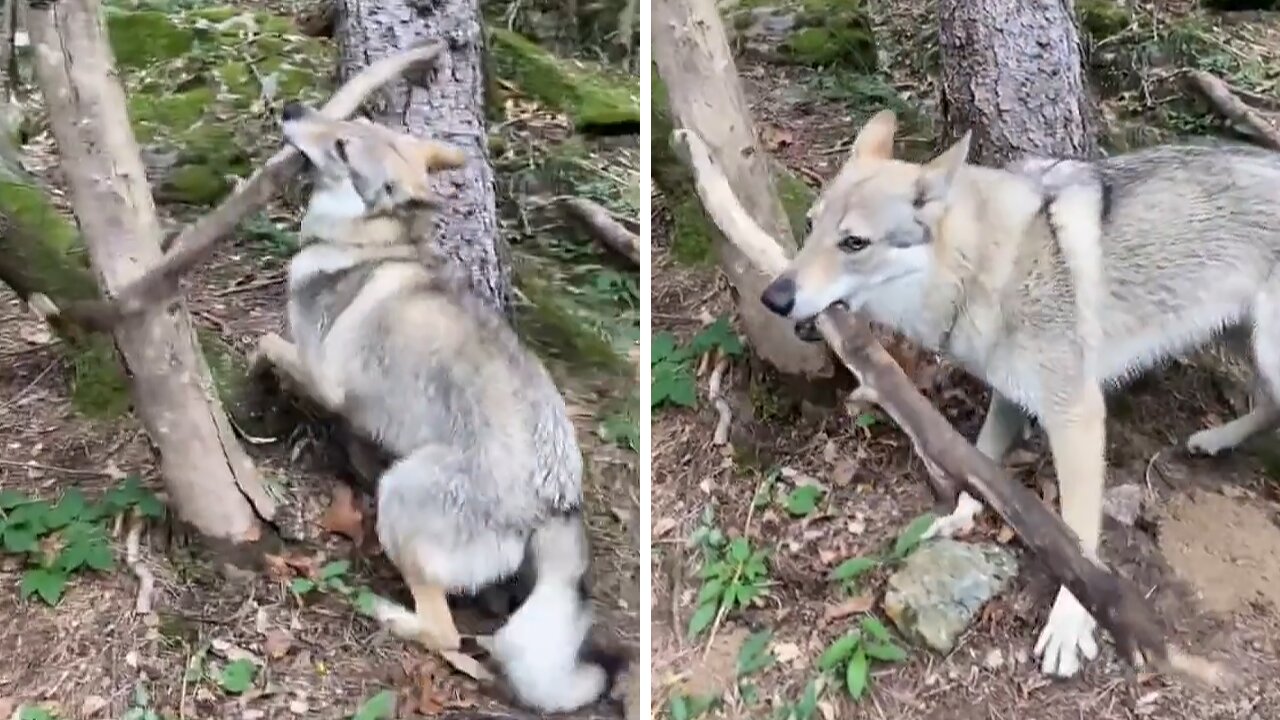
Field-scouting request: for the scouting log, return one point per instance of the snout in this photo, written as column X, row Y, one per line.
column 780, row 296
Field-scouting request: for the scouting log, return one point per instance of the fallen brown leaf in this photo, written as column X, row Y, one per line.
column 467, row 665
column 1006, row 535
column 775, row 137
column 286, row 567
column 344, row 516
column 277, row 643
column 852, row 606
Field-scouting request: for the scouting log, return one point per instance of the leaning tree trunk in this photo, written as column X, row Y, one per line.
column 213, row 484
column 705, row 95
column 39, row 249
column 1013, row 73
column 449, row 105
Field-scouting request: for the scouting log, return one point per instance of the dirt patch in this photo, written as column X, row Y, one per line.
column 1228, row 549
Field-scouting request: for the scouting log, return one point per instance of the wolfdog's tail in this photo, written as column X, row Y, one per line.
column 544, row 650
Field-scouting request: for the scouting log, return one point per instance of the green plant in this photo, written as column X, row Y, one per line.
column 70, row 536
column 673, row 381
column 35, row 712
column 237, row 676
column 140, row 709
column 803, row 500
column 688, row 707
column 907, row 541
column 381, row 706
column 856, row 651
column 331, row 579
column 731, row 580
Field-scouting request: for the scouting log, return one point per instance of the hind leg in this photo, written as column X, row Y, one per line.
column 431, row 605
column 1265, row 414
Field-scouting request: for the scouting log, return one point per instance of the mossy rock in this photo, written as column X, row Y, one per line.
column 816, row 33
column 595, row 100
column 845, row 40
column 1102, row 19
column 199, row 83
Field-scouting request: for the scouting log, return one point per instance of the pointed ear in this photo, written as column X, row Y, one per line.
column 436, row 155
column 875, row 139
column 940, row 172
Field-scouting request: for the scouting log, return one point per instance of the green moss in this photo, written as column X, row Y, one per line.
column 692, row 234
column 548, row 323
column 215, row 14
column 796, row 196
column 42, row 246
column 836, row 44
column 592, row 99
column 173, row 111
column 195, row 185
column 99, row 389
column 1102, row 19
column 141, row 38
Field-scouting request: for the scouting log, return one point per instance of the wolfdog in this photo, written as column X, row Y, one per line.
column 488, row 473
column 1055, row 280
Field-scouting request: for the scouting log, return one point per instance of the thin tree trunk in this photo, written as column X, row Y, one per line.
column 693, row 58
column 449, row 106
column 1013, row 73
column 213, row 484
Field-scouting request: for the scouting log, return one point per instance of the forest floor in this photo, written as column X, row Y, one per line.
column 234, row 644
column 1206, row 548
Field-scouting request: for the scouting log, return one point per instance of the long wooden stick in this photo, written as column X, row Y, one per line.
column 953, row 464
column 197, row 239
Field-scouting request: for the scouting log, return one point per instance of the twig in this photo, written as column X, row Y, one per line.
column 1233, row 108
column 721, row 435
column 737, row 573
column 196, row 240
column 146, row 580
column 53, row 468
column 600, row 223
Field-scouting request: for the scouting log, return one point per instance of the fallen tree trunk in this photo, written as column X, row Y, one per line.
column 212, row 482
column 603, row 227
column 952, row 463
column 449, row 106
column 705, row 96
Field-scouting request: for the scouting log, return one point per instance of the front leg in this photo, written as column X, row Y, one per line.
column 1004, row 422
column 1076, row 425
column 283, row 356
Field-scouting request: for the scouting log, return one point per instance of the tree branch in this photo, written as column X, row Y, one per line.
column 160, row 282
column 953, row 463
column 1233, row 108
column 600, row 224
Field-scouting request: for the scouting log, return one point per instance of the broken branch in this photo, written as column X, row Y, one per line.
column 600, row 224
column 1233, row 108
column 953, row 464
column 196, row 240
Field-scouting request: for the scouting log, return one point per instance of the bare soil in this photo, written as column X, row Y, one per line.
column 1203, row 548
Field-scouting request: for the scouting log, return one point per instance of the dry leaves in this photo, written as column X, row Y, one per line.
column 852, row 606
column 277, row 643
column 345, row 516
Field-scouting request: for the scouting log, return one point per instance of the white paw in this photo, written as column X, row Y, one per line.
column 1211, row 441
column 1067, row 638
column 959, row 522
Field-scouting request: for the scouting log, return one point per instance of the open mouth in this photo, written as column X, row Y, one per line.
column 807, row 330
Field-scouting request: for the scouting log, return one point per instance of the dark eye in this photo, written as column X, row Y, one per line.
column 854, row 243
column 808, row 225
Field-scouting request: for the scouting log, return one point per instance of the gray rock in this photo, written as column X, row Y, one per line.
column 937, row 592
column 1123, row 503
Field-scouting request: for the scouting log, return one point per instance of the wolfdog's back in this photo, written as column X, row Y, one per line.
column 443, row 369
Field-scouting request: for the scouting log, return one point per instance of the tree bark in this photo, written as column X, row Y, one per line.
column 212, row 482
column 705, row 95
column 449, row 106
column 1013, row 73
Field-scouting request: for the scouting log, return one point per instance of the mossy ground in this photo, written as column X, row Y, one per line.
column 595, row 99
column 203, row 85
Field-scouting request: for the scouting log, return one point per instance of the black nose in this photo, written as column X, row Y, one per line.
column 780, row 296
column 292, row 111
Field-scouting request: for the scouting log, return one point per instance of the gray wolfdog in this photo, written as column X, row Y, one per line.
column 488, row 474
column 1055, row 281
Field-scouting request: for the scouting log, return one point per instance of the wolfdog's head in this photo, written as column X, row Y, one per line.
column 364, row 170
column 871, row 225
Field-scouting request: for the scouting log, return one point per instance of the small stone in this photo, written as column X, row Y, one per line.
column 1123, row 503
column 941, row 587
column 298, row 707
column 994, row 659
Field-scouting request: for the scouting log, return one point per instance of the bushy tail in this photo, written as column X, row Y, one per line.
column 543, row 650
